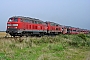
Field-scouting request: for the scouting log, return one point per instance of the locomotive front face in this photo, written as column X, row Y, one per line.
column 12, row 23
column 13, row 26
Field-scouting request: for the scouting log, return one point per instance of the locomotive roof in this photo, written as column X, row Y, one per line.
column 29, row 18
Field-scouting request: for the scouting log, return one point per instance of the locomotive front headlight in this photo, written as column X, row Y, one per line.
column 7, row 27
column 8, row 24
column 15, row 24
column 15, row 27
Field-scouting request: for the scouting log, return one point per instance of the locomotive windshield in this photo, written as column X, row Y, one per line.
column 13, row 20
column 10, row 20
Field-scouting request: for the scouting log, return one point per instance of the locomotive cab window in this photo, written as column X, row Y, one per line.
column 15, row 19
column 10, row 20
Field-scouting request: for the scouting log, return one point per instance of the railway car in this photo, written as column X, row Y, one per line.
column 20, row 26
column 73, row 30
column 53, row 28
column 70, row 30
column 84, row 31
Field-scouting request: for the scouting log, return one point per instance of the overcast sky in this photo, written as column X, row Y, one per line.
column 74, row 13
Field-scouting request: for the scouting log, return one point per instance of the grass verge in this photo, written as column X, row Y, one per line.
column 61, row 47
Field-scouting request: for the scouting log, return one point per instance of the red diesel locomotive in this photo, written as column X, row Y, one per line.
column 53, row 28
column 20, row 26
column 25, row 26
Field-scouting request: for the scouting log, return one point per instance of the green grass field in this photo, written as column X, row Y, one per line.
column 61, row 47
